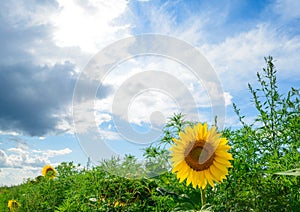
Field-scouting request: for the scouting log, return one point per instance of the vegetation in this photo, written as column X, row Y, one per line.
column 261, row 179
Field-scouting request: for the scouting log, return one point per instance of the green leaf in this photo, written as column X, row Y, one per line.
column 293, row 172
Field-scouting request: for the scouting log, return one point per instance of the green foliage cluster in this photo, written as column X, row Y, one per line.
column 78, row 189
column 269, row 145
column 264, row 177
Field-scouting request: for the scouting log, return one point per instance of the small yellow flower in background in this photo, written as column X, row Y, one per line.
column 200, row 156
column 49, row 171
column 13, row 205
column 119, row 204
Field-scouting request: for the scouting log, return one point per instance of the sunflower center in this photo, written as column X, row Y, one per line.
column 200, row 155
column 49, row 170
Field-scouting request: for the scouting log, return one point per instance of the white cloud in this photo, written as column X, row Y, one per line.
column 14, row 176
column 20, row 157
column 102, row 117
column 163, row 20
column 52, row 153
column 144, row 90
column 144, row 105
column 71, row 30
column 227, row 98
column 89, row 24
column 3, row 157
column 2, row 132
column 27, row 12
column 287, row 9
column 238, row 58
column 18, row 164
column 147, row 85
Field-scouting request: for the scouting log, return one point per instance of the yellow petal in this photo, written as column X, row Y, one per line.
column 223, row 141
column 208, row 177
column 221, row 167
column 223, row 161
column 175, row 163
column 196, row 132
column 191, row 133
column 203, row 182
column 177, row 151
column 214, row 138
column 178, row 167
column 197, row 179
column 223, row 147
column 218, row 179
column 202, row 132
column 225, row 155
column 216, row 173
column 189, row 178
column 185, row 138
column 184, row 174
column 212, row 133
column 175, row 140
column 178, row 159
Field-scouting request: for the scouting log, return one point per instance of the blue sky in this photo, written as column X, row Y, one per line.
column 45, row 45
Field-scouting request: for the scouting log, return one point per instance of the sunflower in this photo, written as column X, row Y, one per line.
column 13, row 205
column 49, row 171
column 200, row 156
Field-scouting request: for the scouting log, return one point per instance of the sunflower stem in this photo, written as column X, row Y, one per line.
column 203, row 198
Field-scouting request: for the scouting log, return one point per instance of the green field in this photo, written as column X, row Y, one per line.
column 264, row 176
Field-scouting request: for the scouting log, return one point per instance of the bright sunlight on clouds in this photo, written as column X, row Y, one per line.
column 89, row 24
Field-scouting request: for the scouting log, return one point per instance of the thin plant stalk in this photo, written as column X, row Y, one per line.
column 203, row 198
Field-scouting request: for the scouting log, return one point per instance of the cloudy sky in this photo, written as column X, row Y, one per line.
column 46, row 45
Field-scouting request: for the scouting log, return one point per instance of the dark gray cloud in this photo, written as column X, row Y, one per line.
column 15, row 41
column 31, row 95
column 22, row 27
column 33, row 99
